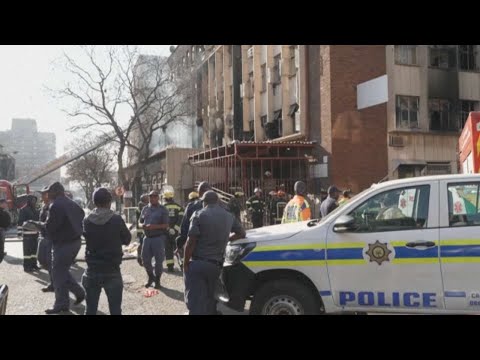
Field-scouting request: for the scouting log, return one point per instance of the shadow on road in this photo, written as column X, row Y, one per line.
column 12, row 260
column 172, row 293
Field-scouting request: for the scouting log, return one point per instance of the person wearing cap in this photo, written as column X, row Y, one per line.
column 29, row 237
column 175, row 214
column 155, row 222
column 64, row 227
column 5, row 222
column 140, row 233
column 297, row 209
column 45, row 247
column 234, row 205
column 105, row 232
column 208, row 235
column 189, row 210
column 256, row 208
column 330, row 203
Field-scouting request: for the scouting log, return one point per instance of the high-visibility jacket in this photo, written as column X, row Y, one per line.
column 296, row 210
column 175, row 214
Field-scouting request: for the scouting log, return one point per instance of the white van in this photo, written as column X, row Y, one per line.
column 410, row 245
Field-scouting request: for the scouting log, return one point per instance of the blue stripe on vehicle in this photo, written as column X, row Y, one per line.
column 460, row 251
column 455, row 294
column 284, row 255
column 326, row 293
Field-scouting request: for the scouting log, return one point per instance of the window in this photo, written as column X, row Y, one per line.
column 263, row 120
column 264, row 78
column 276, row 71
column 251, row 83
column 407, row 111
column 463, row 204
column 406, row 54
column 438, row 169
column 292, row 61
column 394, row 210
column 467, row 55
column 466, row 106
column 442, row 56
column 440, row 115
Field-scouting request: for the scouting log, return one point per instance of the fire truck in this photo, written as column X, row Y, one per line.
column 469, row 145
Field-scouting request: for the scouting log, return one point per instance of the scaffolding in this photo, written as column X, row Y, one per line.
column 247, row 165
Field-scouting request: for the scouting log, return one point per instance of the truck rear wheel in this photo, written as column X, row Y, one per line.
column 284, row 297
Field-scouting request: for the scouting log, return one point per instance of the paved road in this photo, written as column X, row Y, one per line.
column 26, row 297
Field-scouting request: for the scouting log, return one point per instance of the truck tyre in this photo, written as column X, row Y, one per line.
column 284, row 297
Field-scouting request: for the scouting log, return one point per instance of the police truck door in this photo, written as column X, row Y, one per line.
column 388, row 258
column 460, row 244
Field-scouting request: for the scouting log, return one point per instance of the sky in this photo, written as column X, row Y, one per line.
column 25, row 71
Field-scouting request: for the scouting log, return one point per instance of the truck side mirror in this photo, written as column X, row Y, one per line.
column 344, row 223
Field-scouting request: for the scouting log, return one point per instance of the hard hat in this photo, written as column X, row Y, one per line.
column 257, row 190
column 239, row 193
column 168, row 195
column 193, row 195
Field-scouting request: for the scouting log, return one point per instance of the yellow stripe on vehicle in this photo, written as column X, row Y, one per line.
column 289, row 247
column 458, row 260
column 292, row 263
column 448, row 242
column 415, row 261
column 346, row 262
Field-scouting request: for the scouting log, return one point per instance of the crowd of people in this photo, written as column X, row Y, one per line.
column 196, row 234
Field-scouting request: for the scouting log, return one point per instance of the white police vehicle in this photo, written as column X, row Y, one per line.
column 410, row 245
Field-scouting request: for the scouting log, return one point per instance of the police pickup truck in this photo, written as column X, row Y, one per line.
column 410, row 245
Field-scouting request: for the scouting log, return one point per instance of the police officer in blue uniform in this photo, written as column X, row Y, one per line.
column 155, row 222
column 209, row 232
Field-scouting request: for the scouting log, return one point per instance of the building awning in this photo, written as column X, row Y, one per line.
column 398, row 163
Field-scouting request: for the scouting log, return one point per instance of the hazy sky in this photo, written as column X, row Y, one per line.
column 24, row 71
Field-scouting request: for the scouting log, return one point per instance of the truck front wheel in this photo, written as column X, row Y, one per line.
column 284, row 297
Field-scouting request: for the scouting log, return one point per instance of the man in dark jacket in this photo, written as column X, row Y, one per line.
column 47, row 241
column 30, row 237
column 64, row 227
column 330, row 203
column 5, row 222
column 105, row 233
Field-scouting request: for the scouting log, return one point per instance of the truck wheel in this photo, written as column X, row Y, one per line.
column 284, row 297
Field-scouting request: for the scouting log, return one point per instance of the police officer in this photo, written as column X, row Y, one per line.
column 155, row 222
column 189, row 210
column 175, row 214
column 208, row 235
column 64, row 227
column 30, row 237
column 5, row 222
column 140, row 233
column 297, row 209
column 47, row 241
column 330, row 203
column 235, row 206
column 256, row 208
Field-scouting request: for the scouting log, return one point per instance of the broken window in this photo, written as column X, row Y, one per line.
column 466, row 106
column 276, row 71
column 467, row 55
column 264, row 120
column 438, row 168
column 251, row 84
column 264, row 78
column 292, row 61
column 407, row 111
column 440, row 114
column 406, row 54
column 277, row 118
column 292, row 112
column 443, row 56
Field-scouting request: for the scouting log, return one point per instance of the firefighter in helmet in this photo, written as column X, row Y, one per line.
column 256, row 208
column 175, row 214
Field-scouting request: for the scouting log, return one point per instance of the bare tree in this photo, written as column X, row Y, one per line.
column 92, row 170
column 119, row 91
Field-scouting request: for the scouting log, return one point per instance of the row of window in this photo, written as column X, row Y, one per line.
column 441, row 56
column 443, row 114
column 408, row 208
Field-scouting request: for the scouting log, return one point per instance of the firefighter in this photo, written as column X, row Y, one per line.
column 235, row 206
column 256, row 208
column 175, row 215
column 192, row 197
column 140, row 233
column 30, row 237
column 297, row 209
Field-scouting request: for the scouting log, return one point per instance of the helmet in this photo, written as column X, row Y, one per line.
column 239, row 193
column 193, row 195
column 300, row 187
column 168, row 195
column 257, row 190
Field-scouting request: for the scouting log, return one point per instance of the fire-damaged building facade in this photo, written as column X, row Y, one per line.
column 7, row 166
